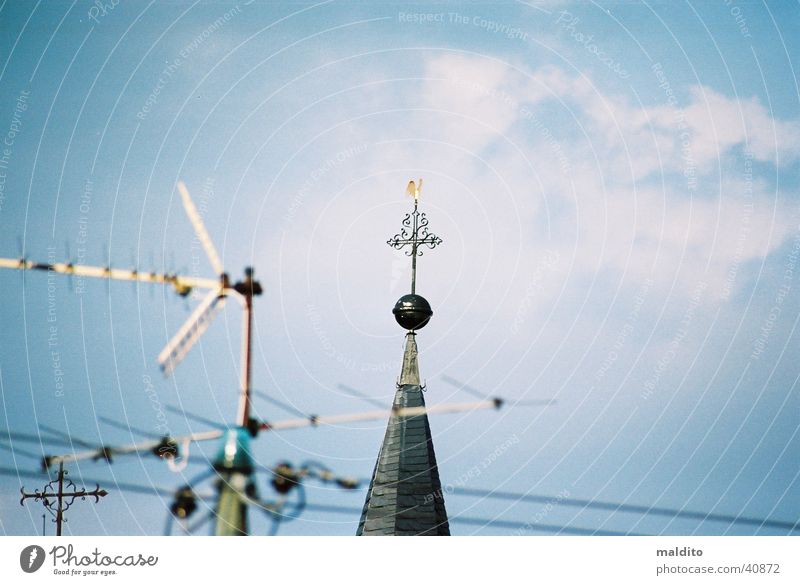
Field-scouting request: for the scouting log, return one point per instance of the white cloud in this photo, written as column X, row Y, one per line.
column 655, row 190
column 518, row 166
column 720, row 123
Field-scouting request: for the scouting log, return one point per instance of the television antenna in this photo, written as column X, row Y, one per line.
column 218, row 290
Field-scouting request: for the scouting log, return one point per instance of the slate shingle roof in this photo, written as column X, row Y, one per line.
column 405, row 495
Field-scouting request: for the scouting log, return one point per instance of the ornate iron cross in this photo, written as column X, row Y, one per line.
column 414, row 233
column 56, row 500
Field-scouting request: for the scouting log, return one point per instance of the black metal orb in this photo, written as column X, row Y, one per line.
column 412, row 312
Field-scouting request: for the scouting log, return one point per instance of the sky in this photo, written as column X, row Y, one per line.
column 615, row 185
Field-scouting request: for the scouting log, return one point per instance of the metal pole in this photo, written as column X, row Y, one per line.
column 414, row 252
column 247, row 325
column 60, row 510
column 231, row 505
column 232, row 510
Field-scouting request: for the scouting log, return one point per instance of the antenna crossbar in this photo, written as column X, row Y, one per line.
column 182, row 284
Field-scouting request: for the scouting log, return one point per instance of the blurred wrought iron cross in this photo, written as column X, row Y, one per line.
column 414, row 233
column 56, row 500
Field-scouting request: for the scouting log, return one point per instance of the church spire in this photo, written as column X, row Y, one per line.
column 405, row 495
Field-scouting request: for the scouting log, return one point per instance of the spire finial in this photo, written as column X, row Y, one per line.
column 414, row 233
column 413, row 311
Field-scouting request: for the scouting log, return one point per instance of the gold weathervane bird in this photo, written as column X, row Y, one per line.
column 414, row 189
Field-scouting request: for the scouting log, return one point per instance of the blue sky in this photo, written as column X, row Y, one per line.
column 615, row 185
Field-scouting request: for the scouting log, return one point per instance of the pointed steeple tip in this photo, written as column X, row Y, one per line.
column 409, row 375
column 405, row 496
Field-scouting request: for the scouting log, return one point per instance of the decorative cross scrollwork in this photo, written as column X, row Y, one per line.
column 415, row 234
column 59, row 494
